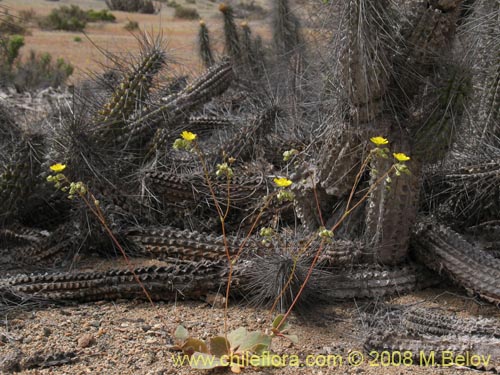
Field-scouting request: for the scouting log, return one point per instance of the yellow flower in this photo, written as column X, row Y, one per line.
column 58, row 167
column 379, row 141
column 399, row 156
column 188, row 136
column 282, row 182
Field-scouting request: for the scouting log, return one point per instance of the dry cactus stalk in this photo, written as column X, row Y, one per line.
column 445, row 251
column 434, row 322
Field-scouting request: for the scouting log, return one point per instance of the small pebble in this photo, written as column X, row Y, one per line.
column 151, row 340
column 86, row 340
column 47, row 331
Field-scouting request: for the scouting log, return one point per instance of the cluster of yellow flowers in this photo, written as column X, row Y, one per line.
column 400, row 157
column 380, row 141
column 62, row 183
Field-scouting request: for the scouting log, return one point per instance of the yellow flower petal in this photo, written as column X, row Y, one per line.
column 379, row 141
column 58, row 167
column 399, row 156
column 282, row 182
column 188, row 136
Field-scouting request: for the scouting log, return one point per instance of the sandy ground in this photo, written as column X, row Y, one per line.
column 133, row 337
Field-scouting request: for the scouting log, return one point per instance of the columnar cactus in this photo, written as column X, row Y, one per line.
column 204, row 45
column 232, row 39
column 19, row 177
column 133, row 89
column 286, row 29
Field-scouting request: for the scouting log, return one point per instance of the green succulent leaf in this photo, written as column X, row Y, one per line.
column 236, row 337
column 255, row 341
column 243, row 341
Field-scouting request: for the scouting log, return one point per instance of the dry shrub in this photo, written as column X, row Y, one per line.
column 186, row 13
column 138, row 6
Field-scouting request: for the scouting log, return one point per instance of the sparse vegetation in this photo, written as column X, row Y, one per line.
column 139, row 6
column 31, row 73
column 39, row 71
column 34, row 71
column 172, row 4
column 10, row 25
column 186, row 13
column 73, row 18
column 70, row 18
column 100, row 15
column 251, row 10
column 131, row 25
column 77, row 39
column 27, row 15
column 11, row 46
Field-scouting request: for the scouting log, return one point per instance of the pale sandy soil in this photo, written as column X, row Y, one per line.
column 132, row 337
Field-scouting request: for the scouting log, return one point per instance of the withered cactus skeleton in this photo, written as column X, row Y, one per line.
column 396, row 71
